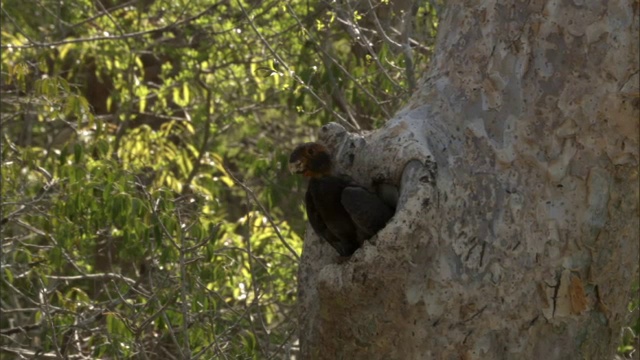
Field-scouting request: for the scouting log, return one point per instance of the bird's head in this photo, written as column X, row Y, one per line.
column 310, row 160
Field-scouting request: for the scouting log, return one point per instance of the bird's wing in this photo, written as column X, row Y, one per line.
column 315, row 219
column 327, row 216
column 369, row 213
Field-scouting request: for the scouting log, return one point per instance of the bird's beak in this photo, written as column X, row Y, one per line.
column 296, row 167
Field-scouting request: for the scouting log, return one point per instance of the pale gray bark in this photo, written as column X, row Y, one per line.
column 517, row 233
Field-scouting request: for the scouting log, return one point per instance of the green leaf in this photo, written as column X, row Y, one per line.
column 9, row 274
column 78, row 152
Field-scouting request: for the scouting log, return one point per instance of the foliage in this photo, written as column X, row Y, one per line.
column 628, row 348
column 146, row 211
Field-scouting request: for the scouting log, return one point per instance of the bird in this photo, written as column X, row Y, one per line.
column 340, row 211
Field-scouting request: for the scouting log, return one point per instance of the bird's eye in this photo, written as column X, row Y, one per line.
column 310, row 151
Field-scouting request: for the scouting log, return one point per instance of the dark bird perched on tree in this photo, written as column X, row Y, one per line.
column 340, row 211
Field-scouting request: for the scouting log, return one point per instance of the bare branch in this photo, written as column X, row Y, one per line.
column 20, row 329
column 37, row 44
column 24, row 353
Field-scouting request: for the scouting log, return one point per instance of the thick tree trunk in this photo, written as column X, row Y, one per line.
column 516, row 235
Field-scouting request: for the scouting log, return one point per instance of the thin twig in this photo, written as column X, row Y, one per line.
column 35, row 44
column 44, row 303
column 99, row 276
column 367, row 44
column 103, row 13
column 108, row 14
column 351, row 124
column 336, row 64
column 20, row 329
column 186, row 350
column 264, row 211
column 256, row 295
column 35, row 354
column 205, row 137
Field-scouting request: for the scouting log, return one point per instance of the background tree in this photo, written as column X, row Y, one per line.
column 517, row 230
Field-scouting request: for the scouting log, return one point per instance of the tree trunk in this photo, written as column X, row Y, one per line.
column 516, row 235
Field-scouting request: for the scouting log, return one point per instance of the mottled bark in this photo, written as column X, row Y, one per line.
column 516, row 235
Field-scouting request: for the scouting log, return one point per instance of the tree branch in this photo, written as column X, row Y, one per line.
column 37, row 44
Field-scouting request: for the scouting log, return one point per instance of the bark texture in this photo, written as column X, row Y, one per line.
column 516, row 235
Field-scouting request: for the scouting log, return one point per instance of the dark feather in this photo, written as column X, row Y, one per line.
column 343, row 213
column 328, row 217
column 367, row 211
